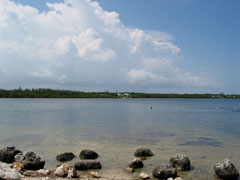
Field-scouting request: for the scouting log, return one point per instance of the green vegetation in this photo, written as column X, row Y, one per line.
column 51, row 93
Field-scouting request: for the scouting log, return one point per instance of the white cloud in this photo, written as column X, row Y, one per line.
column 141, row 74
column 167, row 46
column 78, row 43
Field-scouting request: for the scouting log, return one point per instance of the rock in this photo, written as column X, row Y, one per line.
column 7, row 154
column 144, row 176
column 67, row 156
column 30, row 160
column 6, row 172
column 181, row 162
column 135, row 164
column 31, row 173
column 226, row 170
column 62, row 171
column 178, row 178
column 39, row 173
column 43, row 172
column 72, row 173
column 130, row 170
column 144, row 152
column 164, row 172
column 46, row 178
column 87, row 164
column 88, row 154
column 18, row 166
column 95, row 174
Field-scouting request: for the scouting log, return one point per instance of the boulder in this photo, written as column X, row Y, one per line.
column 135, row 164
column 30, row 160
column 88, row 154
column 164, row 172
column 226, row 170
column 6, row 172
column 181, row 162
column 143, row 152
column 67, row 156
column 87, row 164
column 7, row 154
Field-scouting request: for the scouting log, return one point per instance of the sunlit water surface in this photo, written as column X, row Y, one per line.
column 207, row 130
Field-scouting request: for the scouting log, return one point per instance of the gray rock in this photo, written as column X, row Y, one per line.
column 87, row 164
column 30, row 160
column 226, row 170
column 67, row 156
column 135, row 164
column 6, row 172
column 7, row 154
column 181, row 162
column 164, row 172
column 88, row 154
column 143, row 152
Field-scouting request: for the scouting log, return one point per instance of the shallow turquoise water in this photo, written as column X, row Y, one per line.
column 207, row 130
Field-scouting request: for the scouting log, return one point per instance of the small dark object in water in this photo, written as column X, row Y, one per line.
column 181, row 162
column 87, row 164
column 30, row 160
column 88, row 154
column 144, row 152
column 164, row 172
column 226, row 170
column 7, row 154
column 67, row 156
column 135, row 164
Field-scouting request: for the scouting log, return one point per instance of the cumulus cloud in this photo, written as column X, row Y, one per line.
column 77, row 44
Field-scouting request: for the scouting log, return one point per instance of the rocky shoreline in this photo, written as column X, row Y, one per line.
column 15, row 164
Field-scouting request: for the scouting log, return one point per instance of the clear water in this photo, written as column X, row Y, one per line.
column 207, row 130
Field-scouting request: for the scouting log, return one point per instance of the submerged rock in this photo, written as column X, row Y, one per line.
column 226, row 170
column 67, row 156
column 30, row 160
column 164, row 172
column 143, row 152
column 88, row 154
column 7, row 154
column 6, row 172
column 135, row 164
column 87, row 164
column 181, row 162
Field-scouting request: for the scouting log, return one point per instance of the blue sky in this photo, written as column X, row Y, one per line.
column 196, row 46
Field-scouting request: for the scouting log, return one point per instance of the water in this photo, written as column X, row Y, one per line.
column 207, row 130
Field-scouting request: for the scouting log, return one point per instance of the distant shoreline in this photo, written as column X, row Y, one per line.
column 53, row 93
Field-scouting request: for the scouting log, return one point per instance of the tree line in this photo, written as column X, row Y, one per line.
column 53, row 93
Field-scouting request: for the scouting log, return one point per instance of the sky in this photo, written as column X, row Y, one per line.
column 162, row 46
